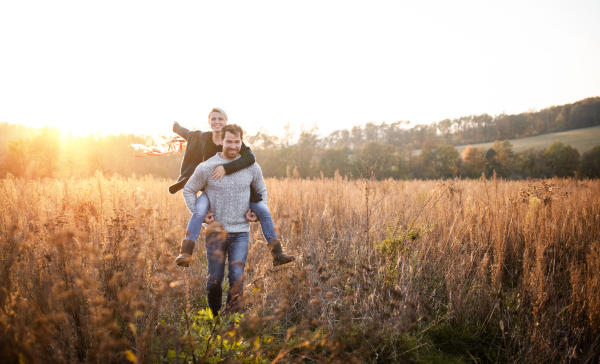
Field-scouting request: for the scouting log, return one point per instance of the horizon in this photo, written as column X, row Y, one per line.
column 295, row 132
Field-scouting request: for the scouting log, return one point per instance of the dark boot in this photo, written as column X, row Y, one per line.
column 279, row 258
column 185, row 254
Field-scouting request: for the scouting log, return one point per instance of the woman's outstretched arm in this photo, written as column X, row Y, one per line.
column 183, row 132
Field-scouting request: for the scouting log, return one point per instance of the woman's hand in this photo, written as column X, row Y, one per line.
column 218, row 173
column 210, row 217
column 251, row 216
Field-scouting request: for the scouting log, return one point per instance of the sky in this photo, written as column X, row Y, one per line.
column 136, row 66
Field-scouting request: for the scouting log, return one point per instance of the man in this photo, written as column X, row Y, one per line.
column 230, row 206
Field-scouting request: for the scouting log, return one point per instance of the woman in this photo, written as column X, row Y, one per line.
column 202, row 146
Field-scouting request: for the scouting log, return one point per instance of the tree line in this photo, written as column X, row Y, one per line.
column 472, row 129
column 388, row 148
column 388, row 161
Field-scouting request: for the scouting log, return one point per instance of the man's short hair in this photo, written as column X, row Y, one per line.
column 219, row 110
column 234, row 129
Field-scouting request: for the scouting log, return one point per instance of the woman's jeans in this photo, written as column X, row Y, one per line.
column 200, row 211
column 259, row 208
column 234, row 247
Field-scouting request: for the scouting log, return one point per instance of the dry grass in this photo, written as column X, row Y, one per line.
column 491, row 271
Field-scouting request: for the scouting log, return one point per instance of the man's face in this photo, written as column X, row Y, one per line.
column 216, row 121
column 231, row 145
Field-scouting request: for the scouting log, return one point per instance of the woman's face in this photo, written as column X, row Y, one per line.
column 216, row 121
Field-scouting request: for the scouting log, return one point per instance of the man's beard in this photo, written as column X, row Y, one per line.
column 231, row 152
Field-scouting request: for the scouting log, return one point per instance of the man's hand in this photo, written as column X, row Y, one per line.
column 218, row 173
column 210, row 217
column 251, row 216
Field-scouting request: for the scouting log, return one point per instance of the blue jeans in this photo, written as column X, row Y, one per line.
column 266, row 221
column 201, row 209
column 234, row 247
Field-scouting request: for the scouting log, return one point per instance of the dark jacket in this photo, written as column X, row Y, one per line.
column 194, row 155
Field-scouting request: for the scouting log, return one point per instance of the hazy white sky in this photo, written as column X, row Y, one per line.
column 135, row 66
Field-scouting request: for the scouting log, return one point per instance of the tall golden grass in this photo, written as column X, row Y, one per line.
column 484, row 270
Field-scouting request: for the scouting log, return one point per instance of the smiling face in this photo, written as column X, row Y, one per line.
column 216, row 120
column 231, row 145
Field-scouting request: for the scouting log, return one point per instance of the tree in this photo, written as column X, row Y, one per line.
column 521, row 125
column 530, row 163
column 337, row 139
column 372, row 131
column 357, row 137
column 288, row 135
column 422, row 170
column 18, row 160
column 272, row 161
column 384, row 157
column 428, row 151
column 480, row 122
column 590, row 163
column 262, row 140
column 46, row 151
column 12, row 132
column 559, row 122
column 504, row 157
column 37, row 156
column 492, row 164
column 445, row 160
column 423, row 166
column 309, row 137
column 474, row 161
column 336, row 159
column 306, row 152
column 445, row 127
column 562, row 160
column 410, row 147
column 394, row 135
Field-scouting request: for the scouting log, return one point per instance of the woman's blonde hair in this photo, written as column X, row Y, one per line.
column 219, row 110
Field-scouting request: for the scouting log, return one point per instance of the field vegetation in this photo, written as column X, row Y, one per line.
column 457, row 271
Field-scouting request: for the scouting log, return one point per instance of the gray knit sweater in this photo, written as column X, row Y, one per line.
column 230, row 198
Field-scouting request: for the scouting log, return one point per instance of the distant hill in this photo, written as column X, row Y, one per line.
column 580, row 139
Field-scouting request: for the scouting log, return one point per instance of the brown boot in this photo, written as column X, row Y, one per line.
column 279, row 258
column 185, row 254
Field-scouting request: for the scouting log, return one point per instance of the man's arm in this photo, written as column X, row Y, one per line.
column 245, row 160
column 194, row 185
column 183, row 132
column 258, row 182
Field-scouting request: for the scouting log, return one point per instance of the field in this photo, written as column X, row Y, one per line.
column 580, row 139
column 485, row 271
